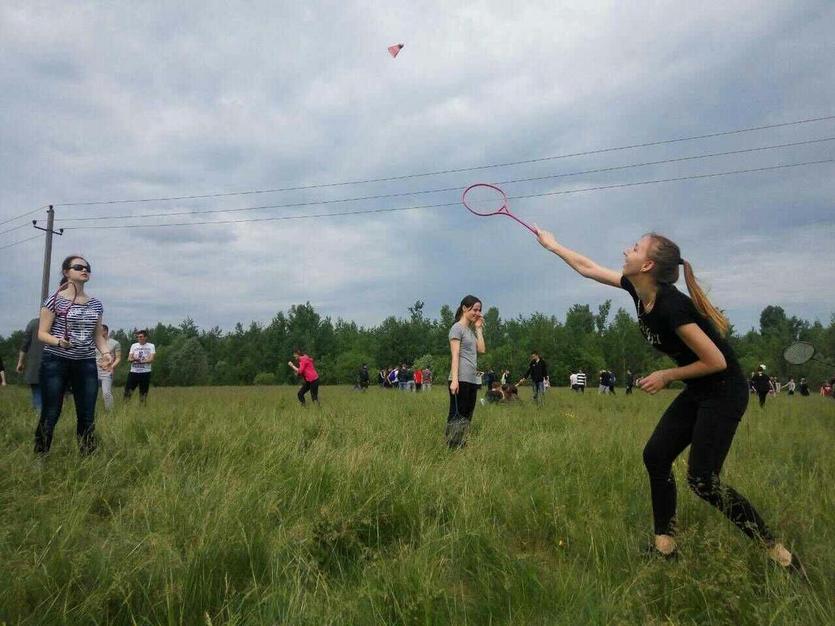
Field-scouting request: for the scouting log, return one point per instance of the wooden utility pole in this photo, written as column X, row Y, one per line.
column 47, row 253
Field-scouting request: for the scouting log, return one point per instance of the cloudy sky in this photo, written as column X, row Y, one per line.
column 102, row 102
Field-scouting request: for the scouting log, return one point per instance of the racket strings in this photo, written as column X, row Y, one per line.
column 799, row 353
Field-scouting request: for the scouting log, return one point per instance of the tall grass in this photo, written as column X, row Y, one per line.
column 237, row 506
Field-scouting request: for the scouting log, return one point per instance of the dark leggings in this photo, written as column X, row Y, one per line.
column 55, row 374
column 707, row 423
column 462, row 405
column 763, row 395
column 313, row 387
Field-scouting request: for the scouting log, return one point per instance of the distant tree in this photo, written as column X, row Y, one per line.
column 185, row 364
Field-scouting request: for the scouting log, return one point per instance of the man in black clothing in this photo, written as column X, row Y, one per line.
column 761, row 384
column 630, row 381
column 537, row 372
column 363, row 378
column 603, row 382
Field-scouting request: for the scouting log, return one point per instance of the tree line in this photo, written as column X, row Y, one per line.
column 589, row 339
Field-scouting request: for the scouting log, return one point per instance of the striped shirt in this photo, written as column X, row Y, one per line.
column 79, row 326
column 581, row 379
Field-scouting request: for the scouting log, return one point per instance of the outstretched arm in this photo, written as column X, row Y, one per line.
column 582, row 265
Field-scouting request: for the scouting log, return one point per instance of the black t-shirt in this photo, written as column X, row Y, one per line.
column 671, row 310
column 761, row 382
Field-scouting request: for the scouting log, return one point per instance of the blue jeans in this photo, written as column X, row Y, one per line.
column 56, row 374
column 538, row 390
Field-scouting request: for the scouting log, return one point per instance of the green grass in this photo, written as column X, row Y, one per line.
column 236, row 506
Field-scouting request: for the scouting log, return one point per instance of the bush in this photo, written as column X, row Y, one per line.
column 264, row 378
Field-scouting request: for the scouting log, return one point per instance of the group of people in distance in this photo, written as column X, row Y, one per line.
column 689, row 329
column 705, row 416
column 765, row 386
column 405, row 378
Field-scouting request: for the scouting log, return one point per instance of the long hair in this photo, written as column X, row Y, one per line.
column 65, row 267
column 667, row 257
column 469, row 302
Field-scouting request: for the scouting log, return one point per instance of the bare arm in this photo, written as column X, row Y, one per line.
column 580, row 264
column 101, row 344
column 117, row 355
column 45, row 325
column 455, row 350
column 711, row 360
column 480, row 346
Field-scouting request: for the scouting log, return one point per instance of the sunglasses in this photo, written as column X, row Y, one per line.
column 81, row 268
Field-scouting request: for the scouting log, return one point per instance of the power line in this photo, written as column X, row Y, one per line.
column 11, row 230
column 12, row 219
column 453, row 170
column 445, row 189
column 446, row 204
column 17, row 243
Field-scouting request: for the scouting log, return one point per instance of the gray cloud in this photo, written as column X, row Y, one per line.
column 105, row 101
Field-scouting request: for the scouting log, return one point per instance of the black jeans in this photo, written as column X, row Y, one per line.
column 461, row 408
column 313, row 387
column 55, row 374
column 138, row 379
column 462, row 405
column 706, row 421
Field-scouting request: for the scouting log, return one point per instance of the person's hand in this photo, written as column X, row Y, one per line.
column 654, row 383
column 64, row 343
column 453, row 387
column 290, row 363
column 106, row 360
column 545, row 238
column 19, row 368
column 479, row 322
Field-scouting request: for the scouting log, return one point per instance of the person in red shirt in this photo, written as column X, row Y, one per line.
column 308, row 374
column 418, row 378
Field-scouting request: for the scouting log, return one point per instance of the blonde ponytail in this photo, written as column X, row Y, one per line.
column 667, row 257
column 702, row 303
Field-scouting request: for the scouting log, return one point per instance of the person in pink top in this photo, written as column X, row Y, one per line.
column 310, row 378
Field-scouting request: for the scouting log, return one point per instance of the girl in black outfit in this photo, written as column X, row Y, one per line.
column 706, row 414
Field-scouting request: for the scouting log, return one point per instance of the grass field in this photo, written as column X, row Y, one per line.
column 237, row 506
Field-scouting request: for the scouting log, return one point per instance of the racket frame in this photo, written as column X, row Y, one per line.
column 503, row 210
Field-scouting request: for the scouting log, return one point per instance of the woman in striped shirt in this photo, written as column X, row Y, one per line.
column 70, row 329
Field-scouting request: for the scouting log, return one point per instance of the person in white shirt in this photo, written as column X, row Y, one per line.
column 105, row 372
column 572, row 381
column 140, row 355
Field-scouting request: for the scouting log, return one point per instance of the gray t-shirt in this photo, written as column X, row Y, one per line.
column 115, row 349
column 467, row 354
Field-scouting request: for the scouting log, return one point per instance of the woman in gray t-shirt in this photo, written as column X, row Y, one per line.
column 465, row 342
